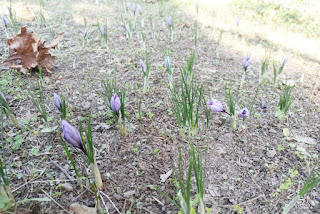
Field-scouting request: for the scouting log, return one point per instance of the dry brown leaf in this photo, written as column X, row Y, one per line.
column 28, row 51
column 82, row 209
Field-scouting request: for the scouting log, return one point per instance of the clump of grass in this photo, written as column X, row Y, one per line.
column 110, row 89
column 5, row 190
column 187, row 100
column 185, row 201
column 286, row 99
column 312, row 181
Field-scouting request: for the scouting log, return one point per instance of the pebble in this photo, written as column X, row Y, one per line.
column 68, row 187
column 86, row 105
column 312, row 203
column 129, row 193
column 271, row 153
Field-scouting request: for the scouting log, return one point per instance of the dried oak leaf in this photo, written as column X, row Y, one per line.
column 28, row 51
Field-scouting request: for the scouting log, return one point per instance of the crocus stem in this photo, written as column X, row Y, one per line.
column 227, row 113
column 233, row 123
column 146, row 84
column 97, row 176
column 243, row 79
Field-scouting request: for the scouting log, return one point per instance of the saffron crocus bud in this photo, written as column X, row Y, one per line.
column 85, row 33
column 215, row 105
column 128, row 4
column 139, row 9
column 115, row 104
column 244, row 113
column 246, row 62
column 169, row 21
column 71, row 135
column 3, row 97
column 167, row 62
column 134, row 9
column 4, row 21
column 143, row 66
column 57, row 101
column 238, row 21
column 102, row 30
column 284, row 61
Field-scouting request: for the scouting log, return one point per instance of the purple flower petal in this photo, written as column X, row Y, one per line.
column 71, row 135
column 244, row 113
column 57, row 101
column 215, row 105
column 115, row 104
column 285, row 61
column 246, row 62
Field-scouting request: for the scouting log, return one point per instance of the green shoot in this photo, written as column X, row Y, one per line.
column 146, row 73
column 277, row 72
column 63, row 108
column 5, row 109
column 39, row 104
column 285, row 102
column 264, row 69
column 231, row 105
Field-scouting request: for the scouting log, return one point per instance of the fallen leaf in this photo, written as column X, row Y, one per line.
column 28, row 51
column 164, row 177
column 82, row 209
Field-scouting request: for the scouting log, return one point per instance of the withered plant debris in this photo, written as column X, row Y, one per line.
column 28, row 51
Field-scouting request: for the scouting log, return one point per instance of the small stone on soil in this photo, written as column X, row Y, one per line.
column 68, row 187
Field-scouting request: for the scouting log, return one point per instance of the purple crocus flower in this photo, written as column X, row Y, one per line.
column 244, row 113
column 71, row 135
column 85, row 33
column 9, row 10
column 115, row 104
column 3, row 97
column 246, row 62
column 57, row 101
column 284, row 61
column 143, row 66
column 4, row 21
column 169, row 21
column 102, row 30
column 128, row 4
column 134, row 9
column 139, row 9
column 215, row 105
column 238, row 21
